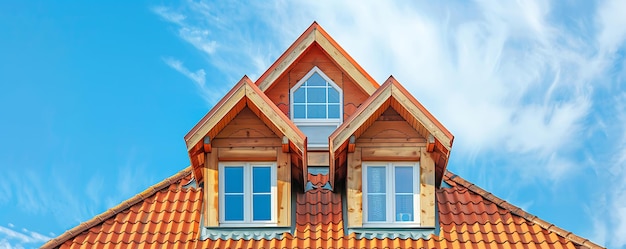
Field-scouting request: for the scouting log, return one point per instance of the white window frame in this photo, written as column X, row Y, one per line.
column 316, row 121
column 390, row 194
column 247, row 200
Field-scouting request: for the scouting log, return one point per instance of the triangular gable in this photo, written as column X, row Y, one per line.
column 245, row 93
column 392, row 94
column 315, row 34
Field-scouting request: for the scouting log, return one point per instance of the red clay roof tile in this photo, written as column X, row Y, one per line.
column 469, row 217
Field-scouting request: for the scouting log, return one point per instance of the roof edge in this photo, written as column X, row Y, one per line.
column 213, row 110
column 59, row 240
column 423, row 109
column 315, row 34
column 518, row 211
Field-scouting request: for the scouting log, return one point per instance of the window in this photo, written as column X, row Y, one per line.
column 247, row 194
column 316, row 106
column 391, row 194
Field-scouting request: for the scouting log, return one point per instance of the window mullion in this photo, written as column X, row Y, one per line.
column 247, row 193
column 326, row 92
column 390, row 194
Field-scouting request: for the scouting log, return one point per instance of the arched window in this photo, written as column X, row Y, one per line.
column 316, row 106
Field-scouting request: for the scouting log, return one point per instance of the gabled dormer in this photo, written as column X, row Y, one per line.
column 391, row 155
column 245, row 153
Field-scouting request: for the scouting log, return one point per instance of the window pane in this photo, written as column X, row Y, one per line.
column 233, row 207
column 316, row 95
column 333, row 95
column 298, row 95
column 316, row 111
column 376, row 181
column 262, row 207
column 376, row 208
column 261, row 177
column 316, row 80
column 299, row 111
column 333, row 111
column 233, row 179
column 404, row 207
column 404, row 179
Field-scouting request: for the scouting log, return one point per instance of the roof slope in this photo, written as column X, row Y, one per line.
column 469, row 217
column 163, row 215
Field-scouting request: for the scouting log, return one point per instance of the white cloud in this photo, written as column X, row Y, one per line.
column 27, row 237
column 209, row 93
column 198, row 77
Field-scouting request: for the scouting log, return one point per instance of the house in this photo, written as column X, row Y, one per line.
column 317, row 154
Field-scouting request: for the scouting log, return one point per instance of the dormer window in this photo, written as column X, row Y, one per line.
column 316, row 107
column 247, row 194
column 391, row 194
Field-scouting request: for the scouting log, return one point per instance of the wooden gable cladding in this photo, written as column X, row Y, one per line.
column 244, row 95
column 389, row 95
column 316, row 35
column 315, row 56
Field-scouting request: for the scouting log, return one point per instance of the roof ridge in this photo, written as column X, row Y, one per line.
column 98, row 219
column 449, row 176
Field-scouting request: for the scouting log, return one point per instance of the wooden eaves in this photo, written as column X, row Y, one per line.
column 244, row 94
column 390, row 94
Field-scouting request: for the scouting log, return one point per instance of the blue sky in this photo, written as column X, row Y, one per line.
column 95, row 98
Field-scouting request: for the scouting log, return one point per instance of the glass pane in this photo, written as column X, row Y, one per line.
column 298, row 95
column 261, row 179
column 299, row 111
column 233, row 207
column 376, row 181
column 333, row 111
column 404, row 207
column 316, row 111
column 316, row 95
column 376, row 208
column 316, row 80
column 333, row 95
column 233, row 179
column 404, row 179
column 262, row 207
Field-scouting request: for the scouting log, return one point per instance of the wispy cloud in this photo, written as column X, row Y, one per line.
column 516, row 82
column 209, row 94
column 232, row 52
column 16, row 239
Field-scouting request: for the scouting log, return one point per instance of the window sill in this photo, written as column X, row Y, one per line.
column 392, row 225
column 247, row 224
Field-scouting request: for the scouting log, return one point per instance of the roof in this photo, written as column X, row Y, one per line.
column 167, row 215
column 226, row 109
column 316, row 34
column 391, row 94
column 166, row 209
column 243, row 94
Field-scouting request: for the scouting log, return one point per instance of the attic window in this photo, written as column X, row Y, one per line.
column 247, row 194
column 391, row 194
column 316, row 106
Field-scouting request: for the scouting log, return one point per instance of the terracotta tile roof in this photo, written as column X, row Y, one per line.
column 164, row 214
column 469, row 217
